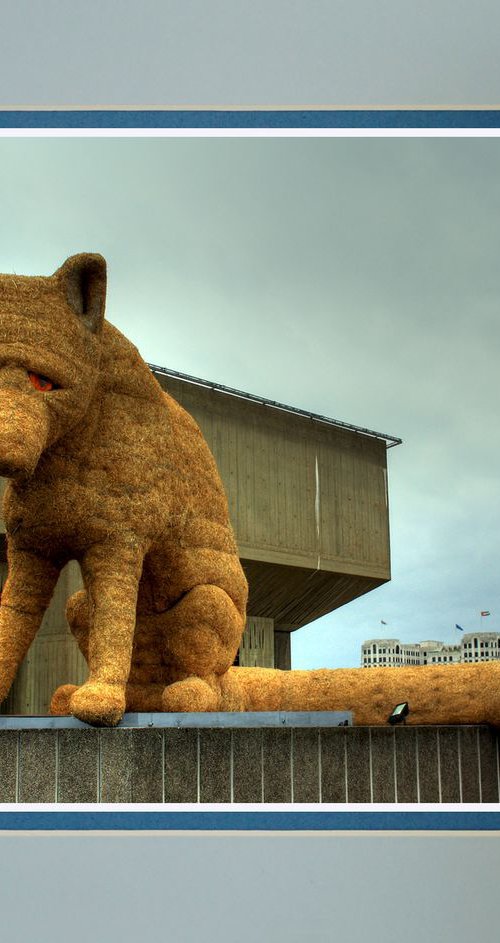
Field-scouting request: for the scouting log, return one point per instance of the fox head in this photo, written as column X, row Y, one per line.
column 50, row 347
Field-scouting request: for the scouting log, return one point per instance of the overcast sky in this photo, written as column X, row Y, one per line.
column 357, row 278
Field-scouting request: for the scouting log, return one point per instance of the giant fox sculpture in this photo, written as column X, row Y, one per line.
column 107, row 469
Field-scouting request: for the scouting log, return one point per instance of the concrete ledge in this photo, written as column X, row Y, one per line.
column 213, row 719
column 259, row 764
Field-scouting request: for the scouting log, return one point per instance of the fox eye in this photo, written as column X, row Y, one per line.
column 42, row 383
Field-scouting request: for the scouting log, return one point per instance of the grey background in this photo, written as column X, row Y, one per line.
column 232, row 52
column 274, row 889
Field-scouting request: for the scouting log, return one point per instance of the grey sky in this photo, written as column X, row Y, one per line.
column 357, row 278
column 298, row 888
column 329, row 52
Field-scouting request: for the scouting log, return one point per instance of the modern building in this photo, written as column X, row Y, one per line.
column 390, row 652
column 309, row 505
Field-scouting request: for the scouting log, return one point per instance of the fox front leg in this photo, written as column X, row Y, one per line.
column 111, row 575
column 25, row 597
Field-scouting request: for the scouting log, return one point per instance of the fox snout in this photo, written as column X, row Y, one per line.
column 50, row 346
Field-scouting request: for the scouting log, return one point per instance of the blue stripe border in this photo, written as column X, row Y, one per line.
column 328, row 118
column 251, row 821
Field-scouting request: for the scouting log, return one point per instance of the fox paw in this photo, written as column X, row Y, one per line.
column 60, row 703
column 98, row 703
column 192, row 694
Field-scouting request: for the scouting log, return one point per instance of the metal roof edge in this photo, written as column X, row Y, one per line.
column 316, row 417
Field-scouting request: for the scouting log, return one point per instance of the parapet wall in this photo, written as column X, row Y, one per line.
column 244, row 758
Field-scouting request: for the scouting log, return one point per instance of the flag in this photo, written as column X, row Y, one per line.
column 486, row 613
column 385, row 623
column 458, row 627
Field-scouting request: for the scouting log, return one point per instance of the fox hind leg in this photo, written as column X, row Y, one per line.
column 201, row 635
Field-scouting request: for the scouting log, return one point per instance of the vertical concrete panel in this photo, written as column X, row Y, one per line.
column 428, row 772
column 448, row 764
column 247, row 765
column 383, row 755
column 305, row 746
column 37, row 766
column 8, row 765
column 333, row 771
column 17, row 700
column 78, row 766
column 131, row 766
column 257, row 645
column 3, row 485
column 116, row 769
column 469, row 764
column 215, row 766
column 54, row 657
column 181, row 765
column 277, row 765
column 358, row 764
column 147, row 766
column 282, row 650
column 488, row 764
column 406, row 764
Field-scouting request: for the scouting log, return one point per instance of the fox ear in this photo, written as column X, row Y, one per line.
column 83, row 282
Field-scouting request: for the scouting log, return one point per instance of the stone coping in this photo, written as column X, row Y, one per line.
column 219, row 719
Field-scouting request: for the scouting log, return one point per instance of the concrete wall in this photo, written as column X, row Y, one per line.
column 300, row 492
column 248, row 764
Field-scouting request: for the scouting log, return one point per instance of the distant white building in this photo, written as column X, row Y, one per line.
column 480, row 646
column 391, row 653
